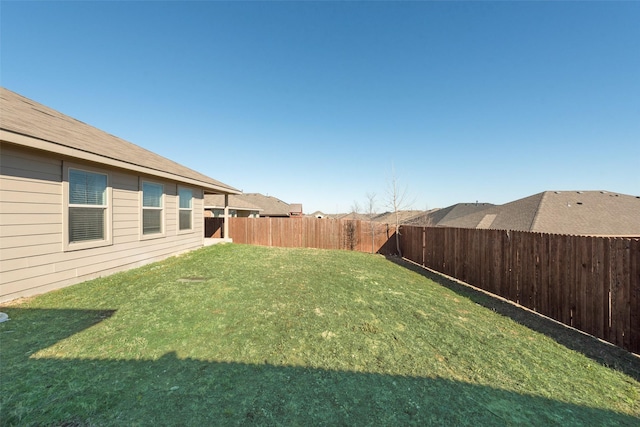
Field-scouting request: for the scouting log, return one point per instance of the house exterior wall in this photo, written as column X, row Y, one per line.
column 33, row 255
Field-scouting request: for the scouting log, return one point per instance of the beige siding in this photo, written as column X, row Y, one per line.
column 47, row 238
column 36, row 229
column 30, row 188
column 171, row 208
column 12, row 220
column 31, row 231
column 198, row 212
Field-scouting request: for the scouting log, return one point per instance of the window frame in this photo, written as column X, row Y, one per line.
column 67, row 245
column 162, row 209
column 181, row 209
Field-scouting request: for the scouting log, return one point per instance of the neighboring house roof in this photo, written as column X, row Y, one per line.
column 352, row 216
column 596, row 213
column 589, row 212
column 387, row 217
column 27, row 123
column 456, row 211
column 517, row 215
column 318, row 214
column 216, row 201
column 404, row 217
column 295, row 208
column 270, row 205
column 434, row 217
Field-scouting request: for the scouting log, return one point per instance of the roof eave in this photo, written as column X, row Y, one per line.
column 52, row 147
column 239, row 208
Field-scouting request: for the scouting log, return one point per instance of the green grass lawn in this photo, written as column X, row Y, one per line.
column 243, row 335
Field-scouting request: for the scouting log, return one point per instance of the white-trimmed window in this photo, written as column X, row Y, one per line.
column 152, row 209
column 87, row 209
column 185, row 209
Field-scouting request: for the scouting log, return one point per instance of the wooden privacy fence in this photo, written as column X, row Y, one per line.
column 305, row 232
column 590, row 283
column 213, row 227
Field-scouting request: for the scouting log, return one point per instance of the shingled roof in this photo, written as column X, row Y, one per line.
column 595, row 213
column 517, row 215
column 27, row 123
column 404, row 217
column 271, row 206
column 589, row 212
column 436, row 217
column 238, row 202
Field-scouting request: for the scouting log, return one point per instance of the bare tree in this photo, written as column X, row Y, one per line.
column 355, row 210
column 397, row 201
column 371, row 209
column 350, row 229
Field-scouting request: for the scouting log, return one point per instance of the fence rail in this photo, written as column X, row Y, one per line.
column 590, row 283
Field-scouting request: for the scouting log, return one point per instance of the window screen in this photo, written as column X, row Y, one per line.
column 185, row 211
column 151, row 208
column 87, row 205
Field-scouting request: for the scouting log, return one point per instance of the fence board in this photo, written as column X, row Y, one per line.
column 599, row 310
column 506, row 263
column 555, row 294
column 526, row 281
column 568, row 273
column 622, row 293
column 588, row 285
column 634, row 296
column 607, row 259
column 543, row 278
column 580, row 277
column 499, row 259
column 515, row 291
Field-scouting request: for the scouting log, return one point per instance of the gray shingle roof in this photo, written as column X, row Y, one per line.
column 235, row 202
column 517, row 215
column 270, row 205
column 404, row 217
column 596, row 213
column 28, row 123
column 588, row 212
column 354, row 216
column 438, row 216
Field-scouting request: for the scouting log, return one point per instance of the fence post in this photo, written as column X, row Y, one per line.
column 225, row 230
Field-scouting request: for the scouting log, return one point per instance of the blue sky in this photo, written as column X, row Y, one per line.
column 320, row 103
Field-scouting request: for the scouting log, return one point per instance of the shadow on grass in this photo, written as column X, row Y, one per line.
column 173, row 391
column 603, row 353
